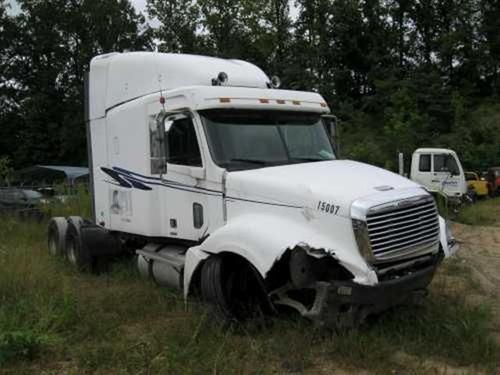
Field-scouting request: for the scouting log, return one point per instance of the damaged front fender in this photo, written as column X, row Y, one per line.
column 448, row 243
column 323, row 278
column 263, row 240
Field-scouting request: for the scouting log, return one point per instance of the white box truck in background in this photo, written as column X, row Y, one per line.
column 222, row 184
column 440, row 171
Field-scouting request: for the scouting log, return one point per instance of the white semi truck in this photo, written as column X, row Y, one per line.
column 224, row 185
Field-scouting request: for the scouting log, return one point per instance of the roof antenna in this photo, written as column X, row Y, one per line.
column 158, row 74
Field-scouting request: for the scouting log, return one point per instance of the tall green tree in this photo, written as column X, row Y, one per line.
column 10, row 90
column 312, row 51
column 399, row 73
column 277, row 38
column 180, row 28
column 50, row 52
column 489, row 32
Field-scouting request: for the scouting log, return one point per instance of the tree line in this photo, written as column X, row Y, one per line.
column 399, row 74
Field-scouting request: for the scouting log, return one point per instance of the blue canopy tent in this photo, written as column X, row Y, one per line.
column 51, row 173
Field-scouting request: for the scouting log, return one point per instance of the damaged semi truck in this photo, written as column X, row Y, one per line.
column 222, row 184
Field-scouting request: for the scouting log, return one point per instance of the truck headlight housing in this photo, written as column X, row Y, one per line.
column 362, row 239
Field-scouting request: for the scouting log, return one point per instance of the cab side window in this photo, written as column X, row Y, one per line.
column 183, row 146
column 424, row 164
column 440, row 163
column 445, row 163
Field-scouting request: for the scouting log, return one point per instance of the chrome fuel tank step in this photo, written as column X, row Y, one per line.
column 163, row 263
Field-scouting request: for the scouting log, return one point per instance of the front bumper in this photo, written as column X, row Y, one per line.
column 346, row 304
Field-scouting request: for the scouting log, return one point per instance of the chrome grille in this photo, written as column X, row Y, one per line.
column 404, row 229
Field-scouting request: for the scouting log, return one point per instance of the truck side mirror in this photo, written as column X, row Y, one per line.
column 332, row 128
column 163, row 125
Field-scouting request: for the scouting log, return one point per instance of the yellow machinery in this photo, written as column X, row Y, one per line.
column 477, row 185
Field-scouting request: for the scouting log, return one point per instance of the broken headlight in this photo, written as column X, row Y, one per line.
column 362, row 239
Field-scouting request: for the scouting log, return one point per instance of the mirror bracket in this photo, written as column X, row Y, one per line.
column 162, row 130
column 333, row 131
column 162, row 138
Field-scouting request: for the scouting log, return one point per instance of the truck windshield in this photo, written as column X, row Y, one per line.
column 254, row 139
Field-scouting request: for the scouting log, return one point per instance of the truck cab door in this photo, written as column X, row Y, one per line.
column 184, row 198
column 448, row 176
column 421, row 170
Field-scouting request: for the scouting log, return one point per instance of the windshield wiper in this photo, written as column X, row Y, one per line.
column 253, row 161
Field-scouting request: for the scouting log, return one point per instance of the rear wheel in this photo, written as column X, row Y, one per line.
column 77, row 254
column 57, row 236
column 234, row 289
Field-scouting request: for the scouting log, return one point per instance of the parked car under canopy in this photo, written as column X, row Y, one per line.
column 43, row 175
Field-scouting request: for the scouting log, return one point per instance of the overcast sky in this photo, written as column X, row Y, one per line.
column 140, row 5
column 14, row 8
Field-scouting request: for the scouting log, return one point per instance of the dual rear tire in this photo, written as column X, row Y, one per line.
column 65, row 240
column 231, row 286
column 57, row 236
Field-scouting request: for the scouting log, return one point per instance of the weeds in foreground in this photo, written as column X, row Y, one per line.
column 70, row 201
column 54, row 319
column 485, row 212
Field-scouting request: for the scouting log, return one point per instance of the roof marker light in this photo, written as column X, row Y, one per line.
column 222, row 77
column 296, row 102
column 280, row 101
column 225, row 100
column 275, row 82
column 264, row 101
column 162, row 100
column 323, row 104
column 220, row 80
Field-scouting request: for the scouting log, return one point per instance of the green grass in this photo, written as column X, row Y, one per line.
column 76, row 203
column 56, row 320
column 485, row 212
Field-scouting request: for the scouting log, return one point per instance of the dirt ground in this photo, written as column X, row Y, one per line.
column 480, row 251
column 478, row 264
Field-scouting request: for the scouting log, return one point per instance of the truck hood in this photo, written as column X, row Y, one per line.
column 337, row 182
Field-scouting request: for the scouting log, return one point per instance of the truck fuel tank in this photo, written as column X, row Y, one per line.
column 163, row 263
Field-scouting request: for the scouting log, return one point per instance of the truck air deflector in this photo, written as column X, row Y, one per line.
column 119, row 77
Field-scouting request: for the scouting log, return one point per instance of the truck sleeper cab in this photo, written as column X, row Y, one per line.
column 224, row 185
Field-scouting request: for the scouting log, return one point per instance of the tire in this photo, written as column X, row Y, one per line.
column 76, row 253
column 56, row 236
column 233, row 289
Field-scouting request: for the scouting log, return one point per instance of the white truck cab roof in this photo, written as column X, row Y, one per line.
column 117, row 78
column 434, row 150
